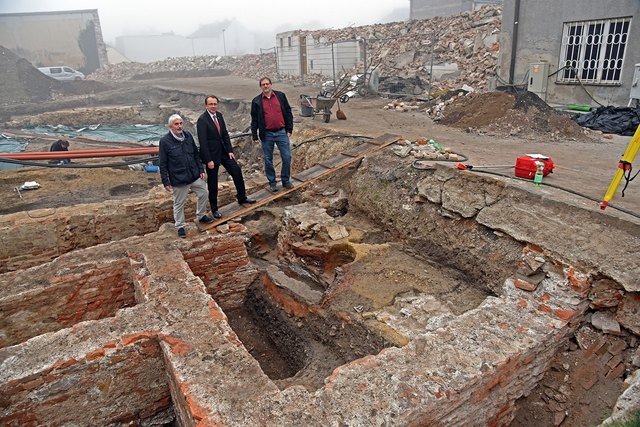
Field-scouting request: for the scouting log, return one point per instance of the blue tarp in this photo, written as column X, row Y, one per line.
column 121, row 133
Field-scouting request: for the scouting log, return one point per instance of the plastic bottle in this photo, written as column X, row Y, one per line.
column 435, row 144
column 537, row 179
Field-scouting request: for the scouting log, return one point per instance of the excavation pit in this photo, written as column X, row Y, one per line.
column 455, row 305
column 508, row 330
column 52, row 298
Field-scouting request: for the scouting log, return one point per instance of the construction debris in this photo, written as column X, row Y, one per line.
column 464, row 48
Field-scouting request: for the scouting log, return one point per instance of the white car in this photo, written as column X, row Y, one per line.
column 62, row 73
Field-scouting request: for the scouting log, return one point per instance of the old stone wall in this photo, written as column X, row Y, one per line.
column 427, row 205
column 224, row 267
column 173, row 354
column 60, row 295
column 30, row 239
column 113, row 367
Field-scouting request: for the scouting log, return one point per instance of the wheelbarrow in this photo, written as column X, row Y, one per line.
column 320, row 106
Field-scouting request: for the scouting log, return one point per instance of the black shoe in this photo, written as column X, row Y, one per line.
column 206, row 219
column 182, row 233
column 247, row 200
column 273, row 188
column 287, row 185
column 217, row 214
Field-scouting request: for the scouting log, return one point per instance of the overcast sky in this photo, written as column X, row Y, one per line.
column 134, row 17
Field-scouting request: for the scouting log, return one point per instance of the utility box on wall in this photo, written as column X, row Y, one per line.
column 635, row 86
column 538, row 77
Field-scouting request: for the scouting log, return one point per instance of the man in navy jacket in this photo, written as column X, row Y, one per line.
column 216, row 150
column 181, row 171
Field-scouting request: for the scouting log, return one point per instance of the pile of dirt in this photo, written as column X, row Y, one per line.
column 520, row 113
column 22, row 83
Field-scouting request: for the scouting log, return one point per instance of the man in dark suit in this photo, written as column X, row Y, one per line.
column 216, row 150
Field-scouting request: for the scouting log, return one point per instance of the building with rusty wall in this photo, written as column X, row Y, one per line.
column 72, row 38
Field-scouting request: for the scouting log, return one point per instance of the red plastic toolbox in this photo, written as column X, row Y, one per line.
column 526, row 166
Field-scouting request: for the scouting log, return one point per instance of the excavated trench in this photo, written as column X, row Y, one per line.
column 452, row 295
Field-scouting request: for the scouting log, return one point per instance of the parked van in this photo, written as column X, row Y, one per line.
column 62, row 73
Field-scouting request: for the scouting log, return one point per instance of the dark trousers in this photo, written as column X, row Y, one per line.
column 234, row 170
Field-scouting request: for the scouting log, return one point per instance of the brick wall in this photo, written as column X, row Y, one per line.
column 223, row 264
column 40, row 236
column 121, row 383
column 61, row 296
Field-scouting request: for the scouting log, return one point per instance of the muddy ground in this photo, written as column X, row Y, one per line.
column 493, row 132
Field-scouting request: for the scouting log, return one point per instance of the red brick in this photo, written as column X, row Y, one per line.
column 129, row 339
column 525, row 286
column 177, row 345
column 62, row 363
column 534, row 248
column 215, row 311
column 565, row 314
column 616, row 372
column 544, row 308
column 96, row 354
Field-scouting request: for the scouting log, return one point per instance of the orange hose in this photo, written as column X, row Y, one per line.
column 80, row 154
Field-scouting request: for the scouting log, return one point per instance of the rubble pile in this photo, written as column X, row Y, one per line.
column 465, row 52
column 521, row 114
column 426, row 149
column 253, row 66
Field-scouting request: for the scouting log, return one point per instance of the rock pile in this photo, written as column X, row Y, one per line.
column 521, row 114
column 253, row 66
column 465, row 48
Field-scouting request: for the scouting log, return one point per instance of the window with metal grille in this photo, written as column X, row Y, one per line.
column 593, row 51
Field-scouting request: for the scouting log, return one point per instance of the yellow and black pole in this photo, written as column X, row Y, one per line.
column 624, row 166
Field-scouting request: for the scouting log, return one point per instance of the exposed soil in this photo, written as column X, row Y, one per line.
column 521, row 114
column 510, row 127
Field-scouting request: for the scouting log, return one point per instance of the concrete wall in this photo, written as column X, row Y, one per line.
column 156, row 47
column 539, row 39
column 425, row 9
column 322, row 57
column 329, row 59
column 288, row 57
column 72, row 38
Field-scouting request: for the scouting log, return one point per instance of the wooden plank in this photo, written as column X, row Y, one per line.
column 335, row 161
column 302, row 179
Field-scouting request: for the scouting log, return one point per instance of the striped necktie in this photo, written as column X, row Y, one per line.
column 215, row 122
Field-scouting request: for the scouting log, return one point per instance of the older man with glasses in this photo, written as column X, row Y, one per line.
column 181, row 170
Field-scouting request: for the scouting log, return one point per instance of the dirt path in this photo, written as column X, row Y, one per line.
column 585, row 167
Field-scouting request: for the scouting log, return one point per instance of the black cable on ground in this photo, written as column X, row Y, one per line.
column 333, row 135
column 78, row 165
column 563, row 189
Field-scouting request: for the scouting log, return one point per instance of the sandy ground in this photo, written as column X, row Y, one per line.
column 585, row 167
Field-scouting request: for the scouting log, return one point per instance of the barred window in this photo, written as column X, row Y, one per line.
column 593, row 51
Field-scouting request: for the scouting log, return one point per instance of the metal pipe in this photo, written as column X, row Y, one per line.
column 514, row 42
column 433, row 45
column 81, row 154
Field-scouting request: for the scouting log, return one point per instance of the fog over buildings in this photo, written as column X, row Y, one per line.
column 216, row 27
